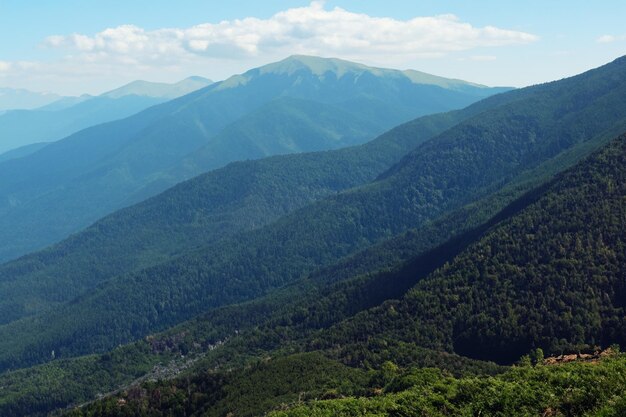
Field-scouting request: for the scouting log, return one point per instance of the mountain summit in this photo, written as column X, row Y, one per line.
column 340, row 68
column 334, row 68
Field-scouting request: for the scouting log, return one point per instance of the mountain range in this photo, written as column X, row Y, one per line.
column 429, row 269
column 61, row 118
column 454, row 168
column 69, row 184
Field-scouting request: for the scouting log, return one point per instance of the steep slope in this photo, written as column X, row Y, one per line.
column 125, row 161
column 261, row 325
column 269, row 327
column 552, row 276
column 287, row 125
column 373, row 337
column 457, row 167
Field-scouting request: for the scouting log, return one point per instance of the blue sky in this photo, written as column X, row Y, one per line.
column 86, row 46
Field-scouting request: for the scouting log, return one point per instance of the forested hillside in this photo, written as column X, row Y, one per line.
column 551, row 277
column 322, row 232
column 372, row 338
column 22, row 151
column 463, row 164
column 241, row 196
column 576, row 389
column 398, row 331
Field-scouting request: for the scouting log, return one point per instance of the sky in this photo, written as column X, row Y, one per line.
column 73, row 47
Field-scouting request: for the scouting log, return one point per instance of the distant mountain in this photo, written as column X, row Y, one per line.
column 65, row 102
column 239, row 197
column 159, row 90
column 68, row 115
column 20, row 128
column 13, row 99
column 508, row 137
column 71, row 183
column 284, row 125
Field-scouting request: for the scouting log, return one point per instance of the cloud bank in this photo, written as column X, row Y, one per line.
column 129, row 52
column 304, row 30
column 611, row 38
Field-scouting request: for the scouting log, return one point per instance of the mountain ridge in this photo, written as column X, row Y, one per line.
column 339, row 68
column 137, row 157
column 335, row 344
column 68, row 115
column 240, row 196
column 524, row 129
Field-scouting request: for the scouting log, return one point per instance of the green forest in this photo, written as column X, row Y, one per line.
column 466, row 263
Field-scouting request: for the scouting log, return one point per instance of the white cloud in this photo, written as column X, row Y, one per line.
column 482, row 58
column 606, row 39
column 610, row 38
column 123, row 40
column 218, row 49
column 305, row 30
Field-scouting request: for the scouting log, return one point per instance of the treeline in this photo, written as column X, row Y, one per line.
column 576, row 389
column 271, row 383
column 312, row 385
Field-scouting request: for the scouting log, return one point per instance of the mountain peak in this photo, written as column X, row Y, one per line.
column 296, row 63
column 319, row 66
column 314, row 64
